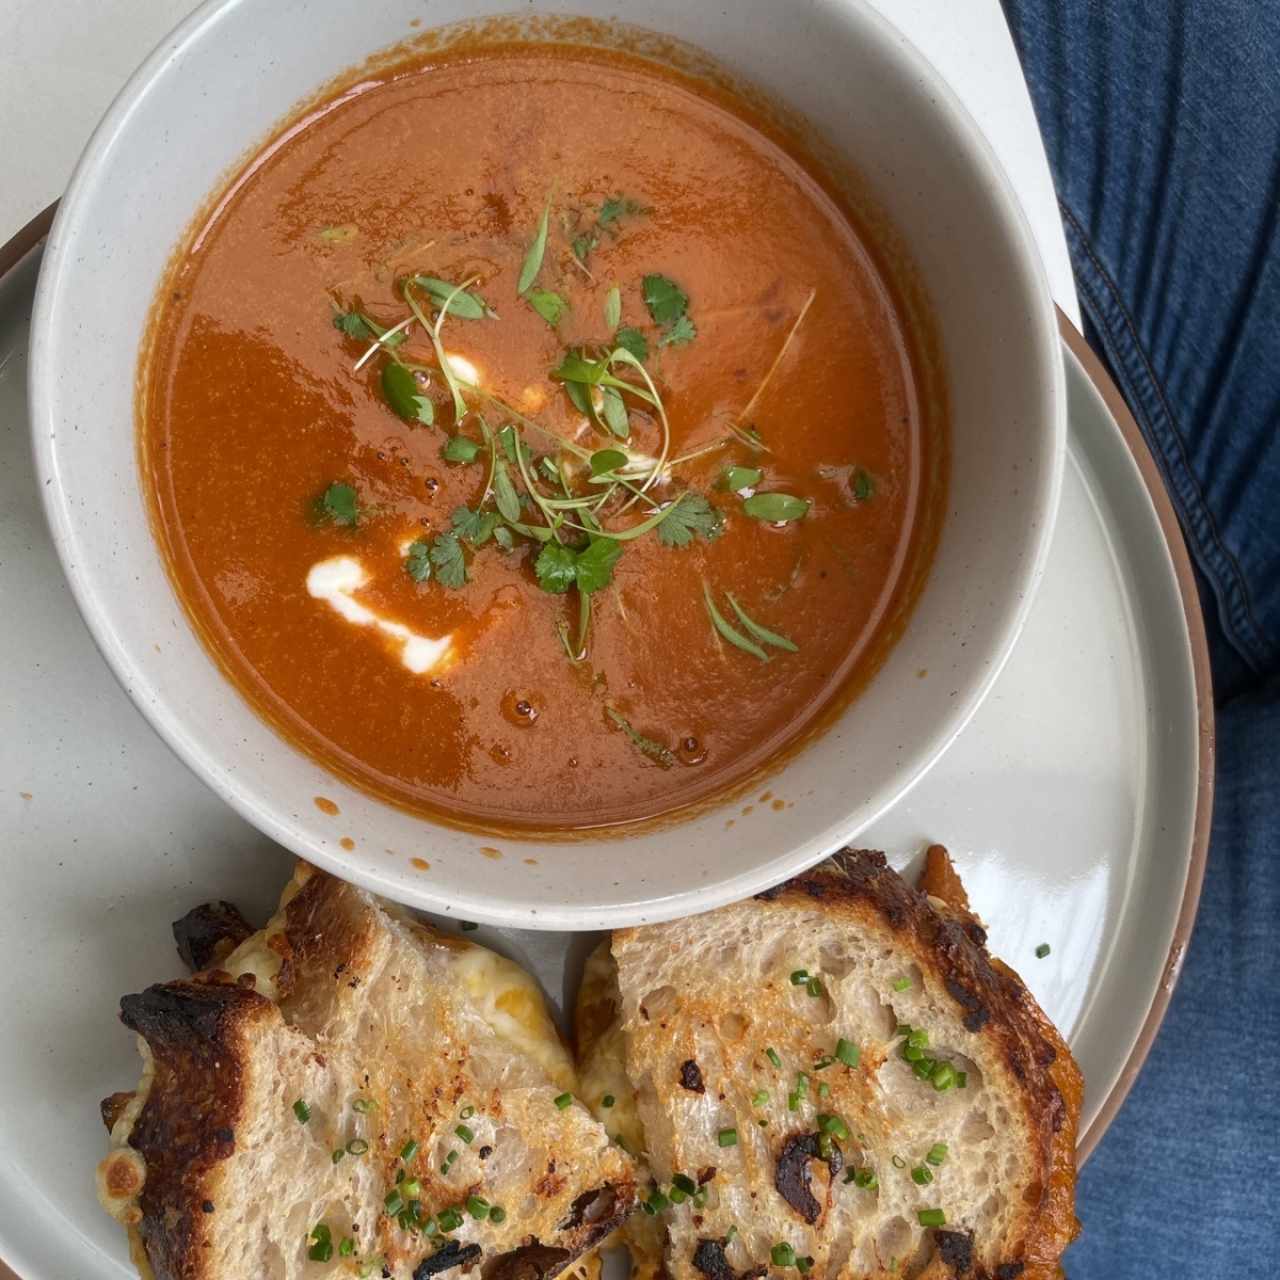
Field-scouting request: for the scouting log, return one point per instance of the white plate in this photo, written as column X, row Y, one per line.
column 1075, row 804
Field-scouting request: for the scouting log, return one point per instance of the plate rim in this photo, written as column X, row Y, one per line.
column 1202, row 679
column 16, row 249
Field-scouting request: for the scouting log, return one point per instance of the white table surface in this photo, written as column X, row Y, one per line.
column 62, row 61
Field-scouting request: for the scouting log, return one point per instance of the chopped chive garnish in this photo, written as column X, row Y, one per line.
column 732, row 1234
column 772, row 1055
column 823, row 1062
column 678, row 1196
column 814, row 987
column 826, row 1146
column 921, row 1175
column 848, row 1053
column 962, row 1079
column 564, row 1100
column 682, row 1182
column 322, row 1243
column 497, row 1214
column 466, row 1113
column 393, row 1201
column 430, row 1226
column 943, row 1076
column 700, row 1197
column 865, row 1179
column 901, row 984
column 918, row 1038
column 450, row 1219
column 357, row 1147
column 912, row 1053
column 657, row 1201
column 347, row 1247
column 760, row 1098
column 793, row 1101
column 833, row 1125
column 1042, row 950
column 608, row 1100
column 478, row 1208
column 802, row 1085
column 799, row 977
column 338, row 1154
column 465, row 1133
column 824, row 1089
column 409, row 1150
column 783, row 1255
column 924, row 1068
column 362, row 1105
column 727, row 1137
column 937, row 1153
column 302, row 1111
column 803, row 1265
column 899, row 1162
column 410, row 1190
column 931, row 1217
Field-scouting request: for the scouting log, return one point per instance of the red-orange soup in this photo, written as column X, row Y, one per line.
column 312, row 520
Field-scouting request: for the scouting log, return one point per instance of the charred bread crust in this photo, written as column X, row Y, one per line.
column 994, row 1003
column 209, row 933
column 187, row 1126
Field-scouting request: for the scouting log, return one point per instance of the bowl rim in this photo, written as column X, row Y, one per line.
column 270, row 816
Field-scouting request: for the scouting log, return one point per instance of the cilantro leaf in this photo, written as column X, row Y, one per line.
column 634, row 341
column 417, row 564
column 450, row 564
column 735, row 478
column 692, row 515
column 654, row 750
column 617, row 207
column 666, row 301
column 475, row 526
column 549, row 305
column 403, row 395
column 461, row 449
column 684, row 330
column 355, row 324
column 468, row 306
column 863, row 484
column 556, row 567
column 504, row 537
column 595, row 565
column 340, row 505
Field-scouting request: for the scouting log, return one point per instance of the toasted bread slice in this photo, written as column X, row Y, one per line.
column 343, row 1062
column 767, row 1045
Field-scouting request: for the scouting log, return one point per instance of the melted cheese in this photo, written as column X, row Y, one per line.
column 509, row 1000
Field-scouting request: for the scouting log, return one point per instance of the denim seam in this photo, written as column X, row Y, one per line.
column 1149, row 399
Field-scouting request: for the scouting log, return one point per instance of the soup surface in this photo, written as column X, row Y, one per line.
column 534, row 440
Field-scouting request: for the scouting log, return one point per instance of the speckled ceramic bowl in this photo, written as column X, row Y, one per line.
column 217, row 86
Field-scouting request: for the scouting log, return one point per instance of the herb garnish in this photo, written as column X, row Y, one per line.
column 654, row 750
column 613, row 309
column 612, row 211
column 461, row 448
column 549, row 305
column 728, row 630
column 634, row 341
column 405, row 396
column 448, row 561
column 775, row 508
column 669, row 306
column 763, row 634
column 691, row 516
column 537, row 250
column 355, row 324
column 417, row 562
column 449, row 297
column 339, row 505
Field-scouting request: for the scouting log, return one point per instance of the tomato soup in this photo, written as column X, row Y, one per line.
column 535, row 439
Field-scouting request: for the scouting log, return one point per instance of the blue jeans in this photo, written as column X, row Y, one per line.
column 1162, row 123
